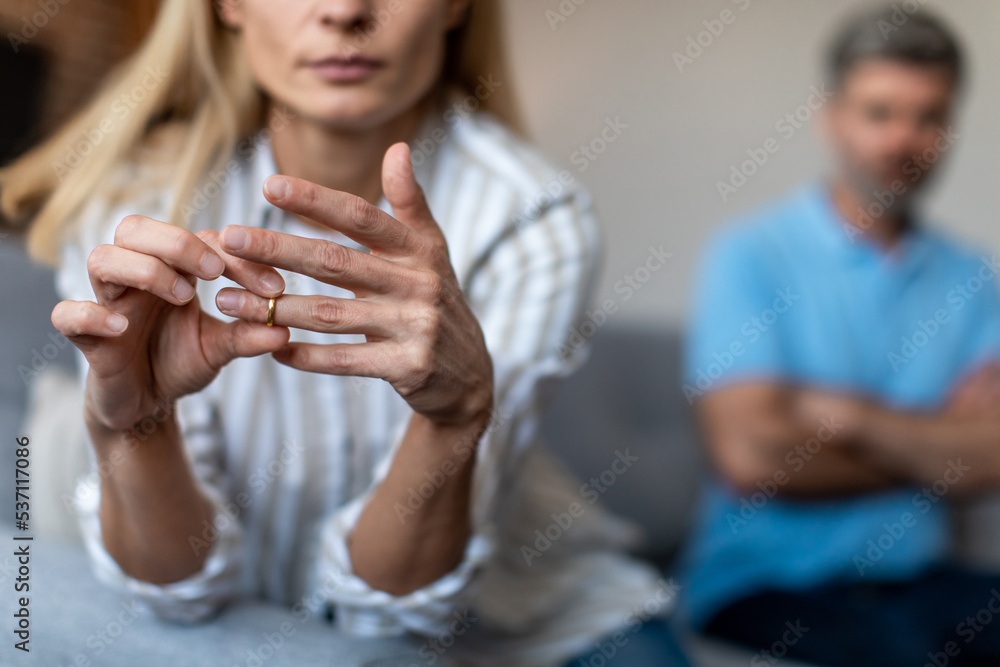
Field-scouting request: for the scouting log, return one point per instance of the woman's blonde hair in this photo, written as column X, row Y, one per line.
column 177, row 108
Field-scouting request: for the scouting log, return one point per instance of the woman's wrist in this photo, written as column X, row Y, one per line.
column 152, row 426
column 451, row 438
column 475, row 411
column 473, row 407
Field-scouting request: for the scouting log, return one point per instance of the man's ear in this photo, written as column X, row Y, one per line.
column 457, row 12
column 230, row 12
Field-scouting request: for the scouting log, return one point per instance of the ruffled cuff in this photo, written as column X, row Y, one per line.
column 195, row 598
column 362, row 610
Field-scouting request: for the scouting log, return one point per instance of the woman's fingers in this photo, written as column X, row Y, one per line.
column 257, row 278
column 154, row 257
column 314, row 313
column 78, row 319
column 113, row 269
column 357, row 359
column 404, row 194
column 179, row 248
column 225, row 341
column 165, row 260
column 326, row 261
column 352, row 216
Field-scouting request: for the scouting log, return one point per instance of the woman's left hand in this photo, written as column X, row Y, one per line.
column 421, row 335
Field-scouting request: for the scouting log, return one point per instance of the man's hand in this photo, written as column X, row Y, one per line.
column 920, row 446
column 849, row 412
column 978, row 394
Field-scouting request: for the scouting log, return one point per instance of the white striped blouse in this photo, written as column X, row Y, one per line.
column 290, row 458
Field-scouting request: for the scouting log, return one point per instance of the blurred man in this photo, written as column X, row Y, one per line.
column 843, row 360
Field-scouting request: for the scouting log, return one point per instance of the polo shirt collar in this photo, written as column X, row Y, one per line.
column 850, row 244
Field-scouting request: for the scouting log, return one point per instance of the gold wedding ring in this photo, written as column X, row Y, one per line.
column 270, row 311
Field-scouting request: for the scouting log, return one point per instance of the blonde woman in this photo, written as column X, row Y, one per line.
column 349, row 423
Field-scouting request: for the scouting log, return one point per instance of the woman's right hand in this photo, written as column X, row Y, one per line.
column 147, row 340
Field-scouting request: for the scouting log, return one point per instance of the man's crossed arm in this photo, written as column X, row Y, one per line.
column 816, row 443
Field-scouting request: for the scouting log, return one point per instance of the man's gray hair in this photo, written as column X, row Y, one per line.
column 903, row 32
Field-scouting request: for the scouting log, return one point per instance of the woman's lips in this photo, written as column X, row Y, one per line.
column 345, row 70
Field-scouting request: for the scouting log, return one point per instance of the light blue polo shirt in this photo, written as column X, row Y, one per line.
column 791, row 293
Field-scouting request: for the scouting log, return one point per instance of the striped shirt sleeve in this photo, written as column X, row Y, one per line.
column 528, row 290
column 204, row 593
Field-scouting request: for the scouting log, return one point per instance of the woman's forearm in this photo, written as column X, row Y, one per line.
column 415, row 527
column 151, row 507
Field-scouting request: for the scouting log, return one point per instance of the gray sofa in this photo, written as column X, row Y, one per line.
column 117, row 632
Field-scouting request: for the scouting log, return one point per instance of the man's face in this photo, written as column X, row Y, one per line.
column 888, row 124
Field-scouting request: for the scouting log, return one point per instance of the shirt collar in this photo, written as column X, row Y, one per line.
column 851, row 244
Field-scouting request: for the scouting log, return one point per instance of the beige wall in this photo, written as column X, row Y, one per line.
column 656, row 184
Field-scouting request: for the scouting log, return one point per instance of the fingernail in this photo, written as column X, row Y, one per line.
column 272, row 282
column 117, row 323
column 183, row 290
column 235, row 238
column 277, row 188
column 212, row 264
column 227, row 300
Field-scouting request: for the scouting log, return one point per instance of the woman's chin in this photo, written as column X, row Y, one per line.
column 359, row 112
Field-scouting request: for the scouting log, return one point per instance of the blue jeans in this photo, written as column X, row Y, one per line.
column 945, row 618
column 651, row 644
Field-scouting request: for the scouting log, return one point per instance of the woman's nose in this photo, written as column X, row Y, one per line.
column 345, row 13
